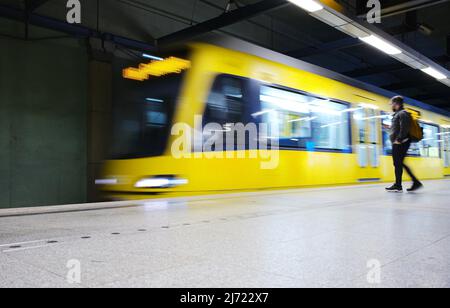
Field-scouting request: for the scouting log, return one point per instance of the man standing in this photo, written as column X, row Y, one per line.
column 401, row 141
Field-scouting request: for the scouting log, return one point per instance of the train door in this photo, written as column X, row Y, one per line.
column 368, row 144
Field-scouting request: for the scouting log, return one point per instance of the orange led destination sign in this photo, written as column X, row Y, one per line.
column 157, row 68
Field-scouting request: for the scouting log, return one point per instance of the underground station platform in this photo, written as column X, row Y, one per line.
column 224, row 152
column 322, row 237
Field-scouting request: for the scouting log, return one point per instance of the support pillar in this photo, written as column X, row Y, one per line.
column 99, row 121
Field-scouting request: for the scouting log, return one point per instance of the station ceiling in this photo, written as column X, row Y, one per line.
column 421, row 24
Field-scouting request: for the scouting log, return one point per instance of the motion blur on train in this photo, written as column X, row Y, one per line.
column 321, row 128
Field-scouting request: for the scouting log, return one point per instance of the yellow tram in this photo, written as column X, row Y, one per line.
column 332, row 130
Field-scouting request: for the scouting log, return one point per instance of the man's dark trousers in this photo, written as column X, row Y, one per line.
column 399, row 152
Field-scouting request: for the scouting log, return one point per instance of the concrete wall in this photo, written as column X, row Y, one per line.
column 43, row 123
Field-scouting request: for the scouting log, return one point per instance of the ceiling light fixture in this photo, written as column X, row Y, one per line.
column 381, row 45
column 434, row 73
column 147, row 56
column 308, row 5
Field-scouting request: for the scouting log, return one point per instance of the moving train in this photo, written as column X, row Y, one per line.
column 322, row 128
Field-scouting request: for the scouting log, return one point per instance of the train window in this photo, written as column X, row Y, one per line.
column 226, row 101
column 303, row 121
column 428, row 147
column 359, row 118
column 445, row 137
column 387, row 144
column 227, row 105
column 386, row 125
column 142, row 117
column 373, row 123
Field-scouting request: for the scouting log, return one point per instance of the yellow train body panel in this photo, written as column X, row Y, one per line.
column 447, row 172
column 296, row 168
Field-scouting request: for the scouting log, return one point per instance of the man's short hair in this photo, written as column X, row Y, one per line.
column 399, row 100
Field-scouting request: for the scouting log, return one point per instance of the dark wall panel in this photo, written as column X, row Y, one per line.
column 43, row 101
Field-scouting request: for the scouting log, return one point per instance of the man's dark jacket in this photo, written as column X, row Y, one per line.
column 401, row 125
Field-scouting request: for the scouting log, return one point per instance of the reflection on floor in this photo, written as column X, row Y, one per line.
column 334, row 237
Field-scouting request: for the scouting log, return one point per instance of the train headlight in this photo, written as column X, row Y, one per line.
column 160, row 182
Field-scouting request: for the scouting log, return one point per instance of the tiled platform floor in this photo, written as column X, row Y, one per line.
column 297, row 238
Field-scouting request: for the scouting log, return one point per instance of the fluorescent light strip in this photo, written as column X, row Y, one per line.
column 329, row 18
column 145, row 55
column 381, row 45
column 308, row 5
column 434, row 73
column 155, row 100
column 353, row 30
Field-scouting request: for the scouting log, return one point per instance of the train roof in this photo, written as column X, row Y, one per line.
column 246, row 47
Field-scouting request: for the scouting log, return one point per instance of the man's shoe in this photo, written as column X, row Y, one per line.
column 395, row 188
column 416, row 186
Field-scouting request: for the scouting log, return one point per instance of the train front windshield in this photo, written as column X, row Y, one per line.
column 142, row 119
